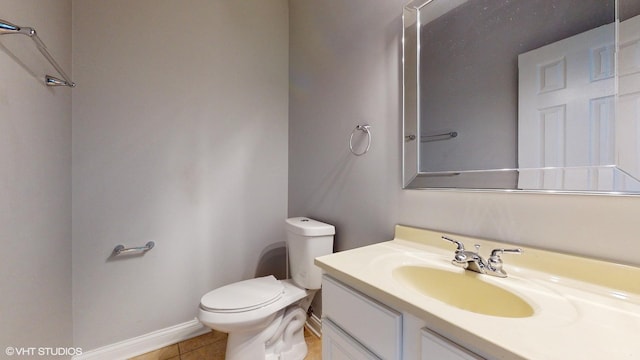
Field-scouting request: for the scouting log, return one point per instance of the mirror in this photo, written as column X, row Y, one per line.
column 522, row 95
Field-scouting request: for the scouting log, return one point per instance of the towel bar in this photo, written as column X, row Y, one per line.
column 7, row 28
column 121, row 250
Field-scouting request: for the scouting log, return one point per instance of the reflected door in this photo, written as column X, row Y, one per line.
column 628, row 129
column 566, row 113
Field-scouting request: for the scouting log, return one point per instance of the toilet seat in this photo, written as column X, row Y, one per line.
column 243, row 296
column 233, row 320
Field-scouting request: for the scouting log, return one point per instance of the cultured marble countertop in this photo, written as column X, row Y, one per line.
column 583, row 308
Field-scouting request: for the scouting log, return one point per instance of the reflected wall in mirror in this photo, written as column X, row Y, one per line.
column 522, row 94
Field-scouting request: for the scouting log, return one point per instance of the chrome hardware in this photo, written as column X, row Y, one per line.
column 458, row 243
column 471, row 260
column 54, row 81
column 7, row 28
column 367, row 130
column 121, row 250
column 495, row 262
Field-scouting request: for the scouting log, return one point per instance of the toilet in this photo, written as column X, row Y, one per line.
column 264, row 317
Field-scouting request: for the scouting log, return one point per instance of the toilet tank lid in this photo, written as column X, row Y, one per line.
column 309, row 227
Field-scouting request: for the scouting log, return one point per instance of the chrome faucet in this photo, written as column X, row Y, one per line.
column 471, row 260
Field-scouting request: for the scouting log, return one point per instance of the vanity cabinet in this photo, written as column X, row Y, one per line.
column 433, row 346
column 356, row 326
column 362, row 320
column 337, row 344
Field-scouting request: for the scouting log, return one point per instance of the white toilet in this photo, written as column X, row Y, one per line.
column 264, row 317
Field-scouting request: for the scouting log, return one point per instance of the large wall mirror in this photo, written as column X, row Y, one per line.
column 522, row 95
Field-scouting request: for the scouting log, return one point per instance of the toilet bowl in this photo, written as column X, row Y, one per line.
column 264, row 317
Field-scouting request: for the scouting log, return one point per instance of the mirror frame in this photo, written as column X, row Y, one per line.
column 469, row 180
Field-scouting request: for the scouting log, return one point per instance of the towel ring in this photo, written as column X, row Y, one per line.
column 367, row 129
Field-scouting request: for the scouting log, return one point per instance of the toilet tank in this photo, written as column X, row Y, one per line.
column 306, row 240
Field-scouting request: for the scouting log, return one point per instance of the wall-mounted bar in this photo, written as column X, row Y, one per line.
column 121, row 250
column 7, row 28
column 436, row 137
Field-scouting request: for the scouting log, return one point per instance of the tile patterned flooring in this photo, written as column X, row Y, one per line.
column 212, row 345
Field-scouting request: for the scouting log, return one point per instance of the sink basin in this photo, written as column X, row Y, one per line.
column 464, row 290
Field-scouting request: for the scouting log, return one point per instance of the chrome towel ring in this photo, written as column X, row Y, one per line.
column 367, row 130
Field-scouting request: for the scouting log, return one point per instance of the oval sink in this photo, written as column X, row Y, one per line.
column 463, row 290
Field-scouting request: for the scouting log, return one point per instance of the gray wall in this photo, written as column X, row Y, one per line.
column 35, row 180
column 180, row 137
column 345, row 70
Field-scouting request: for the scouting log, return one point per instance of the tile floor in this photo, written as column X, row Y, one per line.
column 212, row 345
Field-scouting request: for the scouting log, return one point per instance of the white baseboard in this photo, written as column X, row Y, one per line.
column 314, row 324
column 145, row 343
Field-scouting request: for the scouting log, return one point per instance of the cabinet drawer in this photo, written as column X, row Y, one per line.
column 338, row 345
column 436, row 347
column 371, row 323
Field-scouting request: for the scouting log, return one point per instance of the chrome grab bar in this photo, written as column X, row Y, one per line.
column 121, row 250
column 7, row 28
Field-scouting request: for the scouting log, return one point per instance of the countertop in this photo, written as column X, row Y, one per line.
column 583, row 308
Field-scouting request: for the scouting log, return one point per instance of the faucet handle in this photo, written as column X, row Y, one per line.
column 460, row 258
column 496, row 252
column 459, row 244
column 495, row 262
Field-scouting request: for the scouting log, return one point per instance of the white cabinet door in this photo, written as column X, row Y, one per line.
column 338, row 345
column 435, row 347
column 370, row 322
